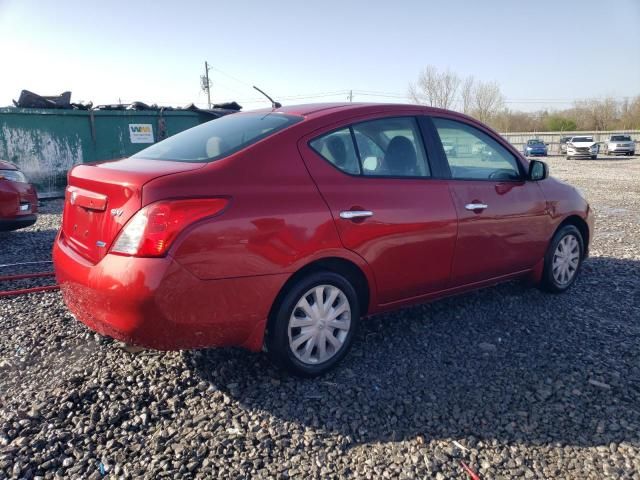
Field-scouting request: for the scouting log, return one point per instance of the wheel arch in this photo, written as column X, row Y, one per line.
column 578, row 222
column 342, row 266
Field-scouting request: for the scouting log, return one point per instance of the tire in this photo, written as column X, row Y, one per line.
column 558, row 283
column 594, row 157
column 281, row 336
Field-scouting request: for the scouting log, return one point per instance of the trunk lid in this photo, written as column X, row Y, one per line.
column 101, row 198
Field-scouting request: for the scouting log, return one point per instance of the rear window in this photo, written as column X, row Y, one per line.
column 218, row 138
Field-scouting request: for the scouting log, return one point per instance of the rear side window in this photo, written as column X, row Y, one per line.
column 218, row 138
column 337, row 147
column 388, row 147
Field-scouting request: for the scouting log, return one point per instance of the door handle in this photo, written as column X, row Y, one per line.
column 351, row 214
column 475, row 206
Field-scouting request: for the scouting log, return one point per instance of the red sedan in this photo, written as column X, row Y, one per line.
column 18, row 199
column 280, row 229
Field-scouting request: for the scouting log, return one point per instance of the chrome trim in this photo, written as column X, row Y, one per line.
column 475, row 206
column 351, row 214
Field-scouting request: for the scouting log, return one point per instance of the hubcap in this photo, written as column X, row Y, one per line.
column 566, row 259
column 319, row 324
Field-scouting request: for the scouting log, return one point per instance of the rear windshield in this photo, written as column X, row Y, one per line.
column 620, row 138
column 218, row 138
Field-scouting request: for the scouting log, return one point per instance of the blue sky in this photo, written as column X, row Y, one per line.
column 541, row 52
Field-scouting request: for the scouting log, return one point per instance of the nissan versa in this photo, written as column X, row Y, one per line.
column 280, row 229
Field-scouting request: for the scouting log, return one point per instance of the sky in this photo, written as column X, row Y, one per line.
column 542, row 53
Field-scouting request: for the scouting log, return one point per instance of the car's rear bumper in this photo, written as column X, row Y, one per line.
column 156, row 303
column 17, row 222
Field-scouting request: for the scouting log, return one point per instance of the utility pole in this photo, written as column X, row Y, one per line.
column 205, row 83
column 350, row 97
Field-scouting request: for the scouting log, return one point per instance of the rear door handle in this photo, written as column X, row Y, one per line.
column 475, row 206
column 351, row 214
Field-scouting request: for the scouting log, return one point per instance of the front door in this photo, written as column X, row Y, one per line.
column 502, row 217
column 376, row 179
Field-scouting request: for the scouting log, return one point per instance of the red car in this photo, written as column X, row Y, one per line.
column 280, row 229
column 18, row 199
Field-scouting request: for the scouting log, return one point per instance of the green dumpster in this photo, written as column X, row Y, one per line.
column 46, row 143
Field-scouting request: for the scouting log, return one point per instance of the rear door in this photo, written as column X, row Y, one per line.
column 388, row 207
column 503, row 219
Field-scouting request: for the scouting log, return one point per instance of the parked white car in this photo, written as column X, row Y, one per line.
column 621, row 144
column 582, row 147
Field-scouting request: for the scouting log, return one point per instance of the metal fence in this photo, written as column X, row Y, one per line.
column 519, row 139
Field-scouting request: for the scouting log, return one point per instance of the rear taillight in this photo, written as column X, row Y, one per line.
column 152, row 230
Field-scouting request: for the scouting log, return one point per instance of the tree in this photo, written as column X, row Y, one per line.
column 466, row 95
column 435, row 88
column 596, row 114
column 487, row 100
column 559, row 123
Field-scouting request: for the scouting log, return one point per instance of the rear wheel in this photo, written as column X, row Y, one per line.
column 563, row 260
column 313, row 327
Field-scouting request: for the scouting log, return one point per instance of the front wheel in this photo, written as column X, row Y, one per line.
column 312, row 328
column 563, row 260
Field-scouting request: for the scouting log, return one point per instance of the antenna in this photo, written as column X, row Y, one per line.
column 274, row 104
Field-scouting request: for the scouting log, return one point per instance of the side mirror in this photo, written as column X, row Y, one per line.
column 538, row 170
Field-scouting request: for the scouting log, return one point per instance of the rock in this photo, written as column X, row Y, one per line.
column 487, row 347
column 599, row 384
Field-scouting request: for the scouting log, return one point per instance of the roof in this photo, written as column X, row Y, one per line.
column 314, row 109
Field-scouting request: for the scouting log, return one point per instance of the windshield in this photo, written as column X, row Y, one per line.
column 582, row 139
column 620, row 138
column 218, row 138
column 535, row 142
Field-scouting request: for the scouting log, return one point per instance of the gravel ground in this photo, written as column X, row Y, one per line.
column 514, row 382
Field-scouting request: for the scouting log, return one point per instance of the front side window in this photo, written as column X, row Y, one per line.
column 218, row 138
column 477, row 155
column 388, row 147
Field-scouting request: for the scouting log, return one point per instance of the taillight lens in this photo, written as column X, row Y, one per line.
column 152, row 230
